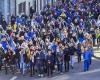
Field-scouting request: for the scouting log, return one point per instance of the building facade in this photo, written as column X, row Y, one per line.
column 23, row 6
column 7, row 8
column 41, row 3
column 18, row 7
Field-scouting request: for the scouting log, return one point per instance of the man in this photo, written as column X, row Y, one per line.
column 49, row 59
column 66, row 58
column 39, row 62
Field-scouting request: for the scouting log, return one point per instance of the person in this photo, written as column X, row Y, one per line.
column 17, row 53
column 49, row 61
column 4, row 24
column 79, row 52
column 93, row 35
column 11, row 59
column 1, row 56
column 86, row 57
column 60, row 60
column 62, row 23
column 72, row 55
column 22, row 61
column 32, row 61
column 39, row 62
column 66, row 57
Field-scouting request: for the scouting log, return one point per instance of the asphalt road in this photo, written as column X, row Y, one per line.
column 75, row 74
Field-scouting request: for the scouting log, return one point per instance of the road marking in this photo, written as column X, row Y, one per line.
column 14, row 78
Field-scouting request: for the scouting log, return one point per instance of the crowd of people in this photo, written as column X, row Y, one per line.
column 48, row 42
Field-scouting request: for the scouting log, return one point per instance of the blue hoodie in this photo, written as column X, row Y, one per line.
column 87, row 55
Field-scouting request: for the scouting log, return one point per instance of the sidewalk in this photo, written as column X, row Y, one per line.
column 97, row 52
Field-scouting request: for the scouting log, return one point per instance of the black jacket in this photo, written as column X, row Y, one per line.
column 66, row 54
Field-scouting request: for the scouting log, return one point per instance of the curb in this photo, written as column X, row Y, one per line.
column 96, row 57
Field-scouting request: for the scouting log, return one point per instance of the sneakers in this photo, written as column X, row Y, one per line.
column 40, row 75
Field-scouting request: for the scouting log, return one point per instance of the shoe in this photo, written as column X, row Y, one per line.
column 61, row 73
column 41, row 75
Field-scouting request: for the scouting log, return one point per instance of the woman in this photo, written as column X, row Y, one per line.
column 32, row 61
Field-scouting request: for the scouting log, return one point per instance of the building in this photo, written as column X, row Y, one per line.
column 41, row 3
column 17, row 7
column 23, row 6
column 7, row 8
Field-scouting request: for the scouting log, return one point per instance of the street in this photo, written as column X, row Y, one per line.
column 75, row 74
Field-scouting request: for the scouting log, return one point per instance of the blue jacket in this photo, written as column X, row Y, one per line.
column 86, row 55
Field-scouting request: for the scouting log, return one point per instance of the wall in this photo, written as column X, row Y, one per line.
column 39, row 8
column 27, row 5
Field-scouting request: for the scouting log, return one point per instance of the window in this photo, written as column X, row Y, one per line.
column 22, row 7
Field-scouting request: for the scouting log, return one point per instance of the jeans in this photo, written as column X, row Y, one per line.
column 72, row 60
column 86, row 65
column 60, row 67
column 22, row 67
column 66, row 64
column 32, row 69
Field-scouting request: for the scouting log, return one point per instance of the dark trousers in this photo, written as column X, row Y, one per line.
column 90, row 61
column 32, row 69
column 0, row 65
column 93, row 41
column 66, row 64
column 49, row 69
column 40, row 69
column 60, row 67
column 79, row 57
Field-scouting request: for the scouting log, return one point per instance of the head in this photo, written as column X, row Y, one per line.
column 49, row 52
